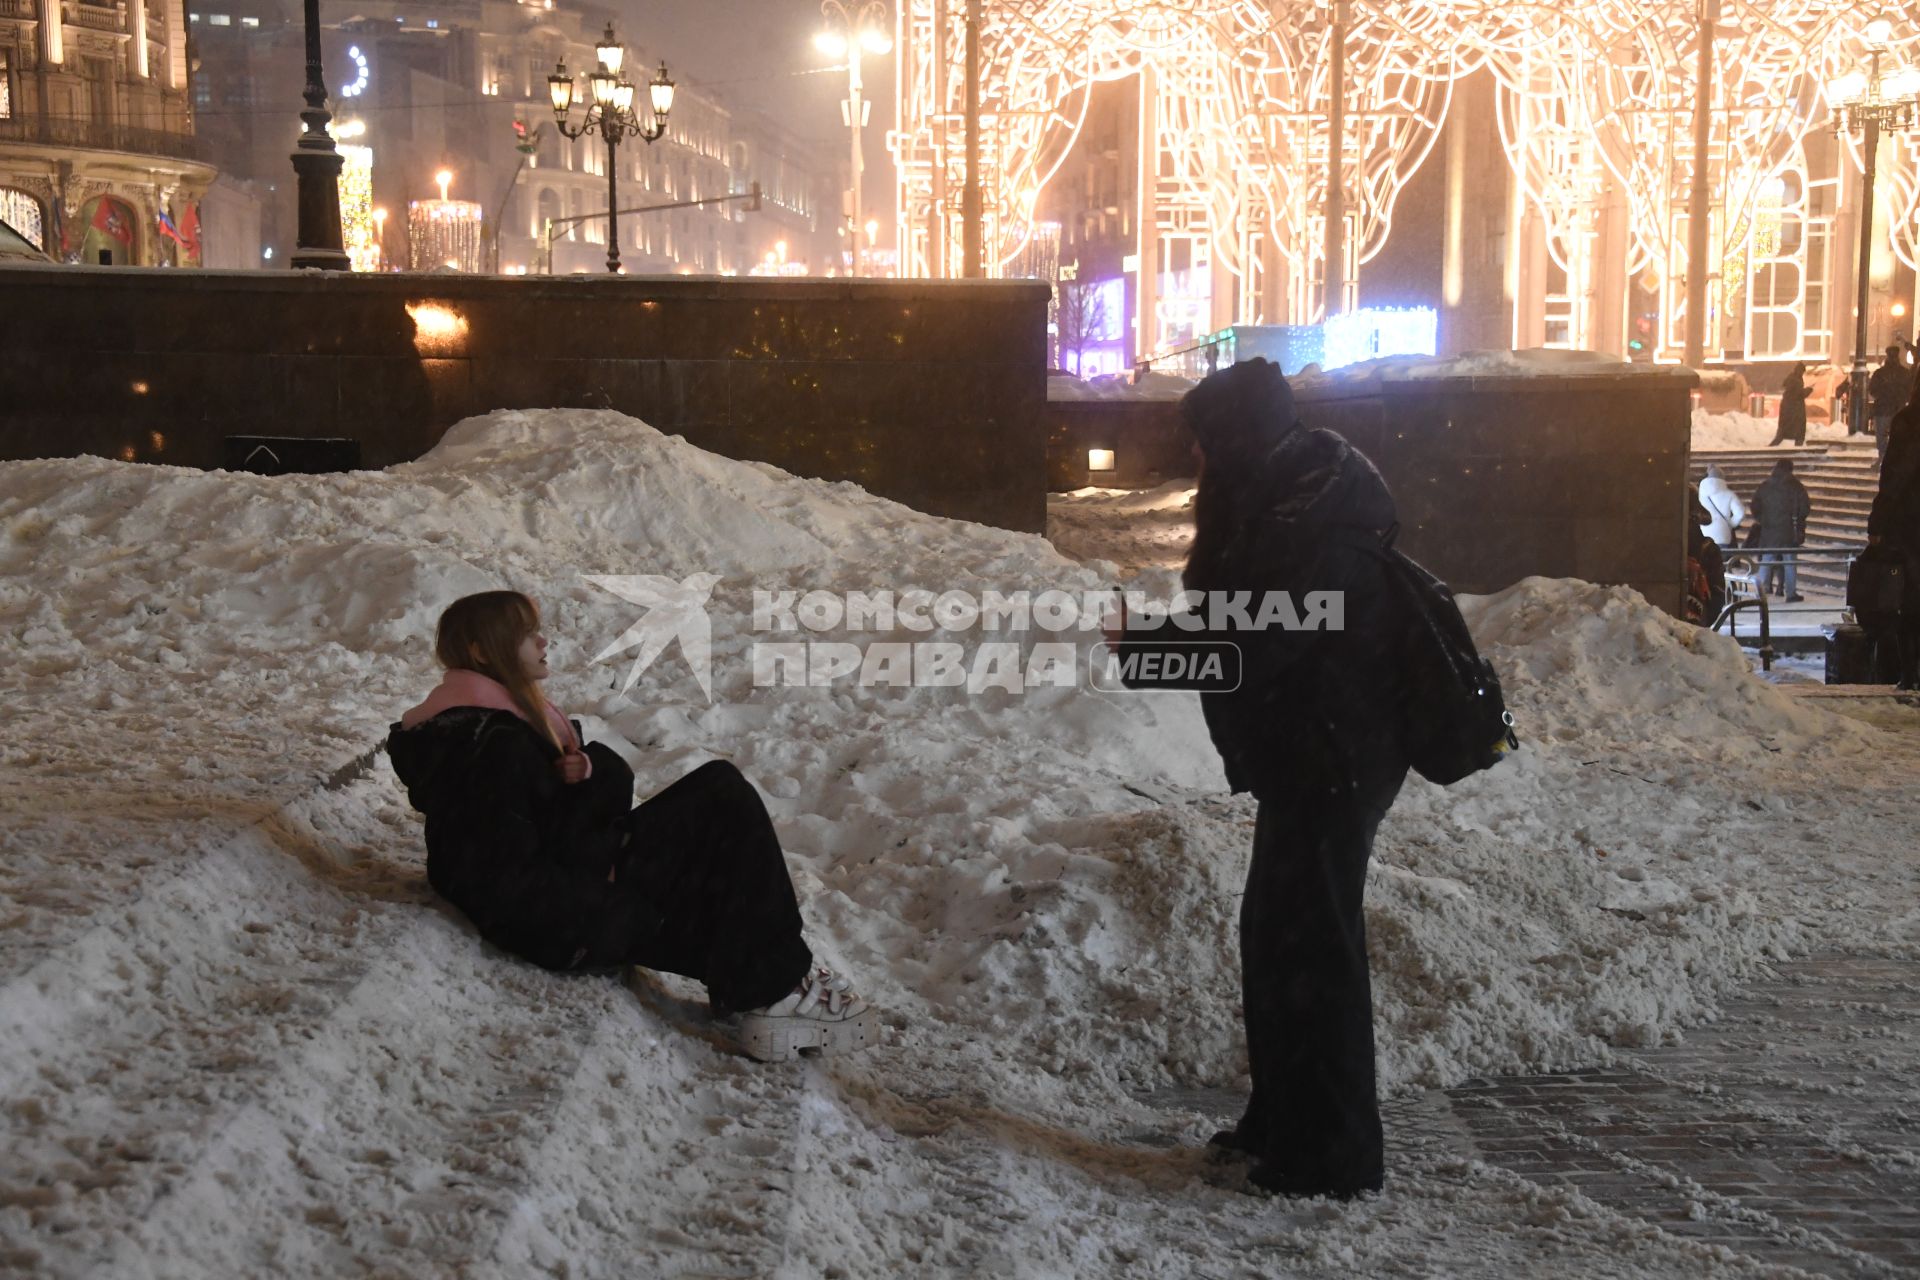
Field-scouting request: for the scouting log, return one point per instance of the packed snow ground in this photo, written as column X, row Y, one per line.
column 243, row 1039
column 1744, row 431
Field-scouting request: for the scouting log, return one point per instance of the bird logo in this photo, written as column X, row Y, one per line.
column 674, row 611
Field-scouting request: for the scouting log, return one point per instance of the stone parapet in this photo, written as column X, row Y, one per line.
column 928, row 392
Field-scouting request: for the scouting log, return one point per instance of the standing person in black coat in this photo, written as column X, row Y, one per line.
column 534, row 837
column 1781, row 506
column 1893, row 525
column 1313, row 731
column 1887, row 389
column 1793, row 408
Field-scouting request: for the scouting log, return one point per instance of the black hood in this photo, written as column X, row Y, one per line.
column 1307, row 487
column 1237, row 413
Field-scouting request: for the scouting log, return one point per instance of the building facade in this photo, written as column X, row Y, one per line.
column 459, row 89
column 98, row 159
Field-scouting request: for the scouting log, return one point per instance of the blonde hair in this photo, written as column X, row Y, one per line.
column 483, row 633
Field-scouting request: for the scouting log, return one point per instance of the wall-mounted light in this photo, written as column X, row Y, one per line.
column 1100, row 460
column 438, row 330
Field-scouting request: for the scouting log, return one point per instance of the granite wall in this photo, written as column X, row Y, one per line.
column 1150, row 443
column 928, row 392
column 1580, row 475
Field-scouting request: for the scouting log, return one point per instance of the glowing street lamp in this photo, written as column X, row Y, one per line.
column 856, row 28
column 611, row 115
column 1863, row 104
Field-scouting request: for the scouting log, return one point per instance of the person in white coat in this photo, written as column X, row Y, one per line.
column 1725, row 511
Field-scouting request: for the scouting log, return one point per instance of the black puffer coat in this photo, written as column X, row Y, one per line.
column 1326, row 703
column 1781, row 508
column 1895, row 517
column 523, row 854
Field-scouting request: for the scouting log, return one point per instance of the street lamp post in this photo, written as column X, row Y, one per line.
column 858, row 28
column 318, row 241
column 612, row 116
column 1864, row 103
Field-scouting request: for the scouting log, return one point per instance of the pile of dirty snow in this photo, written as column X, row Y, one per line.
column 1039, row 887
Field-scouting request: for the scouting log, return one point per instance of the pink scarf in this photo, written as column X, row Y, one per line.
column 462, row 688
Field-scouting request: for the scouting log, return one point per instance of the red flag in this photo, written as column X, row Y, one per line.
column 110, row 219
column 190, row 229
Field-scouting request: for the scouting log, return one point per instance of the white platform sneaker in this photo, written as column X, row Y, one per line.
column 821, row 1016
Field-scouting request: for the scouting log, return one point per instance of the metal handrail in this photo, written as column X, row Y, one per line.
column 1146, row 363
column 105, row 136
column 1732, row 612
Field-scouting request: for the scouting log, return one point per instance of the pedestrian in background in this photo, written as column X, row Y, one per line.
column 1893, row 534
column 1706, row 573
column 1793, row 408
column 1781, row 506
column 1887, row 393
column 1723, row 510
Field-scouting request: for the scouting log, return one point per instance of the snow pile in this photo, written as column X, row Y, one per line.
column 1040, row 888
column 1151, row 385
column 979, row 855
column 1735, row 430
column 1533, row 362
column 1121, row 532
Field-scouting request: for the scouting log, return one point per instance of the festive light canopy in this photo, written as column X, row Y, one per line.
column 1596, row 110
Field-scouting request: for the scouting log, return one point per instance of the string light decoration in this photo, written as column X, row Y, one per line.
column 358, row 234
column 1595, row 107
column 444, row 233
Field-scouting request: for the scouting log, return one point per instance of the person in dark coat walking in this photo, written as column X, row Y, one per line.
column 1893, row 524
column 1313, row 731
column 1887, row 389
column 1793, row 408
column 1781, row 506
column 534, row 837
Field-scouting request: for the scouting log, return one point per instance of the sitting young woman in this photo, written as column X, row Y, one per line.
column 535, row 838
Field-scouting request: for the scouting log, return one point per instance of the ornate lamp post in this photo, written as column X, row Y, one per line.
column 316, row 164
column 612, row 116
column 1864, row 103
column 856, row 28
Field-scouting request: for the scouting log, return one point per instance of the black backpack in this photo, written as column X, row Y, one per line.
column 1454, row 720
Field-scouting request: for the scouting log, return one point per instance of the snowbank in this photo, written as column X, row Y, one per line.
column 1152, row 385
column 1045, row 937
column 951, row 845
column 1744, row 431
column 1533, row 362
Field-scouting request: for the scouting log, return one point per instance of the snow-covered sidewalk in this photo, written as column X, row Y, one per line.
column 242, row 1038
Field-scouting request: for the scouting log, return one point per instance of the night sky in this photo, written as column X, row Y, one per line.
column 760, row 53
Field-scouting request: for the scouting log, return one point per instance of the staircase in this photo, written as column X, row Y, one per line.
column 1841, row 477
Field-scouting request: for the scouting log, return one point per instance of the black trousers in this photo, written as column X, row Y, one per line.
column 1314, row 1119
column 704, row 862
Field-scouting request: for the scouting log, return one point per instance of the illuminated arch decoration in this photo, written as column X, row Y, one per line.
column 1236, row 100
column 1595, row 109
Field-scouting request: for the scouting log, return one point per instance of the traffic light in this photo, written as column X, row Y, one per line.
column 525, row 142
column 753, row 198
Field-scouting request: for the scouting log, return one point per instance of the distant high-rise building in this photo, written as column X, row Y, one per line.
column 460, row 87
